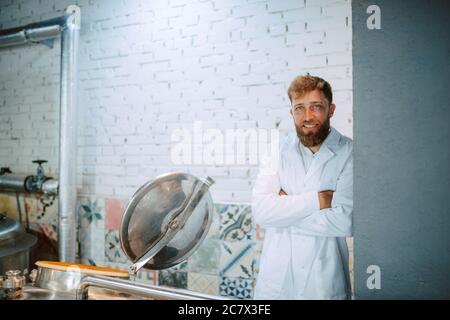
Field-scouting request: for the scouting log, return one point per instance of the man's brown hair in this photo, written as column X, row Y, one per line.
column 303, row 84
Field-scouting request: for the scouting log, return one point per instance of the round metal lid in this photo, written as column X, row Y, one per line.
column 166, row 220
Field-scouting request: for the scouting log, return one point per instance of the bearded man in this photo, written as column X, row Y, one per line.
column 304, row 201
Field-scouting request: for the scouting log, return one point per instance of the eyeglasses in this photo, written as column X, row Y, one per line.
column 300, row 109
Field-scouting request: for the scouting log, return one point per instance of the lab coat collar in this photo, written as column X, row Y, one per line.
column 332, row 140
column 325, row 153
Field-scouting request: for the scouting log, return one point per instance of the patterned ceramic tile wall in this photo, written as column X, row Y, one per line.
column 39, row 213
column 91, row 230
column 236, row 287
column 114, row 211
column 235, row 222
column 206, row 258
column 237, row 259
column 8, row 206
column 202, row 282
column 91, row 213
column 147, row 276
column 36, row 209
column 113, row 250
column 172, row 278
column 224, row 264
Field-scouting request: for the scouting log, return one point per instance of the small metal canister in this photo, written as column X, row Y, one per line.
column 11, row 285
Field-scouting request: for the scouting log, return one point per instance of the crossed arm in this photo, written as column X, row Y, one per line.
column 312, row 213
column 325, row 197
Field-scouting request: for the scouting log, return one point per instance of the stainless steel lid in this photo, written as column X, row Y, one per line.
column 166, row 220
column 13, row 237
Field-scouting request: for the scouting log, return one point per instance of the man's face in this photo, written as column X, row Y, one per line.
column 312, row 113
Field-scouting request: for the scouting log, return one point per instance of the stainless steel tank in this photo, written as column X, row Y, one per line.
column 15, row 245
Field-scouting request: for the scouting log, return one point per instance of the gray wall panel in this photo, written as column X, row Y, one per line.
column 401, row 84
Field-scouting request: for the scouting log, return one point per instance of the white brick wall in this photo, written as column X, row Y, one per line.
column 149, row 67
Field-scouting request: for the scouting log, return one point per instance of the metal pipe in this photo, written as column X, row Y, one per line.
column 13, row 39
column 50, row 187
column 24, row 183
column 68, row 26
column 18, row 35
column 11, row 182
column 29, row 35
column 43, row 33
column 139, row 289
column 68, row 137
column 32, row 32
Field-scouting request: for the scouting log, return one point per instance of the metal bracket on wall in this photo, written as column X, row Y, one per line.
column 48, row 42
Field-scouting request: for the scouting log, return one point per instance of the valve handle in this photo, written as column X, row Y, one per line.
column 4, row 170
column 39, row 161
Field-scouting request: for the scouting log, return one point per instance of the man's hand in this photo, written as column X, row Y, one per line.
column 282, row 193
column 325, row 198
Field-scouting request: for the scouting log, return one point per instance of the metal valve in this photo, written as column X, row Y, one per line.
column 34, row 183
column 40, row 170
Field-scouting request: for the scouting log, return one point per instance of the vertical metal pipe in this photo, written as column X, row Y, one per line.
column 68, row 137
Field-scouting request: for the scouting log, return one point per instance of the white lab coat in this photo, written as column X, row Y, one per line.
column 305, row 254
